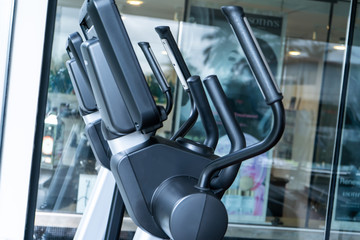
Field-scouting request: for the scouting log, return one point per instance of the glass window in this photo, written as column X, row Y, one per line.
column 303, row 43
column 281, row 194
column 346, row 211
column 68, row 167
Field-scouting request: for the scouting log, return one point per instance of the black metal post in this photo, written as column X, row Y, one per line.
column 41, row 111
column 339, row 127
column 113, row 228
column 318, row 123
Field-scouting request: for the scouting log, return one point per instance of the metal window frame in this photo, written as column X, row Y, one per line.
column 340, row 117
column 41, row 111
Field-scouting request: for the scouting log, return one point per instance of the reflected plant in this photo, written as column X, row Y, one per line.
column 225, row 57
column 155, row 90
column 59, row 79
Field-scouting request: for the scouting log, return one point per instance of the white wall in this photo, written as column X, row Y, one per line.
column 24, row 79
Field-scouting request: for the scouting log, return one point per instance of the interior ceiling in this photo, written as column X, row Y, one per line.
column 304, row 19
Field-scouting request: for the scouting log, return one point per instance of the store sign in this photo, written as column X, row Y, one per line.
column 348, row 198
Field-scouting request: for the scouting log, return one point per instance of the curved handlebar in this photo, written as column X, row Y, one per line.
column 236, row 17
column 249, row 152
column 81, row 83
column 206, row 116
column 272, row 95
column 155, row 67
column 183, row 74
column 226, row 176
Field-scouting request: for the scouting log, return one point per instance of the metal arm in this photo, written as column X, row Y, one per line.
column 82, row 87
column 183, row 73
column 207, row 118
column 155, row 67
column 272, row 95
column 226, row 176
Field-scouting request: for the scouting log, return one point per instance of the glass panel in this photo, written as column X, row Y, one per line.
column 140, row 22
column 346, row 211
column 68, row 166
column 283, row 193
column 141, row 28
column 303, row 45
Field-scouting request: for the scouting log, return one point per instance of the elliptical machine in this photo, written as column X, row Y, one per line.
column 171, row 187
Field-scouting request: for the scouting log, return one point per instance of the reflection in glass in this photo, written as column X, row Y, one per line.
column 346, row 211
column 287, row 186
column 68, row 166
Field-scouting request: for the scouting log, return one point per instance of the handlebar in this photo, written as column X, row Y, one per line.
column 174, row 54
column 82, row 85
column 183, row 74
column 236, row 17
column 226, row 176
column 155, row 67
column 206, row 116
column 272, row 95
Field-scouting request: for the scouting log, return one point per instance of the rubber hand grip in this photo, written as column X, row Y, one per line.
column 174, row 54
column 154, row 65
column 236, row 17
column 79, row 77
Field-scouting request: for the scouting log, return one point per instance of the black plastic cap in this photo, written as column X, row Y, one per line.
column 98, row 144
column 185, row 213
column 163, row 31
column 144, row 44
column 198, row 216
column 82, row 89
column 233, row 11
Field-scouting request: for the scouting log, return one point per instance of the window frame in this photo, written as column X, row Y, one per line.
column 30, row 46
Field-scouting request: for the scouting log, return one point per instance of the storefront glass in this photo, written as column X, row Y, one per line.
column 346, row 211
column 281, row 194
column 303, row 43
column 68, row 167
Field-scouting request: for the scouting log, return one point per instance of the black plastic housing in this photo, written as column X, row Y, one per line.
column 81, row 85
column 185, row 213
column 138, row 176
column 95, row 137
column 113, row 110
column 125, row 68
column 98, row 144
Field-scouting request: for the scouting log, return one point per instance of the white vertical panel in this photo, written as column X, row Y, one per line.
column 20, row 116
column 6, row 16
column 94, row 221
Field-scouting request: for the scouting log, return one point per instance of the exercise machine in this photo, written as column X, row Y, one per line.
column 171, row 187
